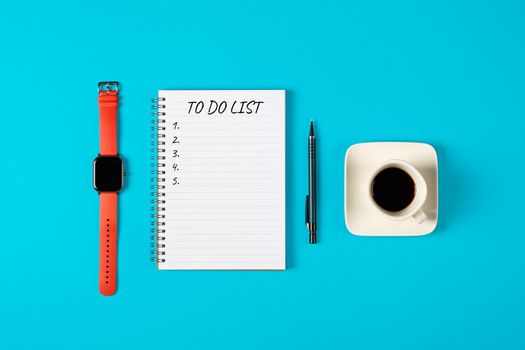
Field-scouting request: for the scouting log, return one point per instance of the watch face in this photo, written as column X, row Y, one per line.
column 107, row 174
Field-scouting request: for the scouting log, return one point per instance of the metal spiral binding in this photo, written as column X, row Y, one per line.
column 157, row 181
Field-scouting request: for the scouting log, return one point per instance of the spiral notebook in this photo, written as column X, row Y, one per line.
column 220, row 180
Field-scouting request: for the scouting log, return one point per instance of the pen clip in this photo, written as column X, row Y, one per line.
column 307, row 213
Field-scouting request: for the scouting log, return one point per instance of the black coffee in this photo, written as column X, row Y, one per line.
column 393, row 189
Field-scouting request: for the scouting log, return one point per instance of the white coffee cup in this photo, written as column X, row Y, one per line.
column 414, row 209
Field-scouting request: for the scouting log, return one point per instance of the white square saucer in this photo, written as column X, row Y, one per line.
column 361, row 161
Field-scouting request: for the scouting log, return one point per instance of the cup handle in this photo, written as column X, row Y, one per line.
column 419, row 216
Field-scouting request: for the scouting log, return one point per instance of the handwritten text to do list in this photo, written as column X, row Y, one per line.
column 212, row 107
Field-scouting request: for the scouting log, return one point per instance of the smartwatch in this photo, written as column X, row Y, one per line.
column 108, row 178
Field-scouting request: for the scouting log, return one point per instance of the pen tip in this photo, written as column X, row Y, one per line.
column 311, row 127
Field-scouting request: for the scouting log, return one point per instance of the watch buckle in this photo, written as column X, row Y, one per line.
column 108, row 86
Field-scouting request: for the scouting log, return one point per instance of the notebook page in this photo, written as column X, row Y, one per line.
column 224, row 179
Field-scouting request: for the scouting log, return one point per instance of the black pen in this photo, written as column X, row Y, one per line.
column 311, row 198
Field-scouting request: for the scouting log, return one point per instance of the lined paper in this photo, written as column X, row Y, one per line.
column 224, row 180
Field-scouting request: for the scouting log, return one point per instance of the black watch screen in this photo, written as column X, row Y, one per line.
column 107, row 173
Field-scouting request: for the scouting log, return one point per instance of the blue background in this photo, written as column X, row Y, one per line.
column 450, row 73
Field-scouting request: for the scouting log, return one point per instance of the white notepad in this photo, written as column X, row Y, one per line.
column 221, row 180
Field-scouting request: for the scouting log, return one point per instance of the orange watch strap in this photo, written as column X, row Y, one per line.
column 108, row 103
column 108, row 243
